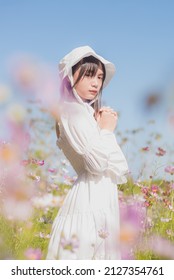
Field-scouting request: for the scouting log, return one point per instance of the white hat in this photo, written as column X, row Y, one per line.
column 72, row 58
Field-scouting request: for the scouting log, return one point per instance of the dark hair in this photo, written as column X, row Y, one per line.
column 89, row 65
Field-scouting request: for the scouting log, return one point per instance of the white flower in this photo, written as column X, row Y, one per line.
column 165, row 220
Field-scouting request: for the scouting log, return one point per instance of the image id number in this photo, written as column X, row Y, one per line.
column 125, row 270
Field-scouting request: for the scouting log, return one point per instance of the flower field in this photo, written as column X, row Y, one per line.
column 35, row 177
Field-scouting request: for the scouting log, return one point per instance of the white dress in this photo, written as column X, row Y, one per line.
column 87, row 225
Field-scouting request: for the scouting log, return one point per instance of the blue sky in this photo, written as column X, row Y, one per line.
column 136, row 35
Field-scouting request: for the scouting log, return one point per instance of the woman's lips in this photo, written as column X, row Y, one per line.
column 93, row 92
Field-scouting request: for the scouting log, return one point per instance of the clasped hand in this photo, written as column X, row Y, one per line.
column 107, row 118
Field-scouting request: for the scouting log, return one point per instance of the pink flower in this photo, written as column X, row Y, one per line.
column 52, row 170
column 145, row 149
column 169, row 169
column 160, row 152
column 37, row 162
column 145, row 190
column 33, row 254
column 146, row 204
column 25, row 162
column 161, row 247
column 70, row 244
column 154, row 188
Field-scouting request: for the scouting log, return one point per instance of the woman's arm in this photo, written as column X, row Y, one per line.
column 97, row 146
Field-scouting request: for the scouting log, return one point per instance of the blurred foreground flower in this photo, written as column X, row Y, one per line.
column 14, row 209
column 47, row 200
column 5, row 93
column 9, row 153
column 133, row 216
column 24, row 72
column 37, row 80
column 16, row 113
column 161, row 247
column 33, row 254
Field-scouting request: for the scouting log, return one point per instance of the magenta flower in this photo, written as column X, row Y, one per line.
column 169, row 169
column 37, row 162
column 145, row 190
column 40, row 162
column 154, row 188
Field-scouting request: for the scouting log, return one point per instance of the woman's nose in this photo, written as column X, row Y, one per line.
column 94, row 82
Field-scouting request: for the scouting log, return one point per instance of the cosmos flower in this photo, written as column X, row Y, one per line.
column 169, row 169
column 165, row 220
column 162, row 247
column 33, row 254
column 16, row 113
column 9, row 154
column 37, row 162
column 70, row 244
column 154, row 188
column 33, row 177
column 103, row 233
column 133, row 216
column 5, row 93
column 47, row 200
column 145, row 149
column 18, row 210
column 43, row 235
column 52, row 170
column 25, row 162
column 25, row 72
column 160, row 152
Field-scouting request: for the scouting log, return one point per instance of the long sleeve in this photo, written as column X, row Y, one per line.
column 98, row 147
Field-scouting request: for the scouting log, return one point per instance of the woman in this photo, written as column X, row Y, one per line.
column 87, row 225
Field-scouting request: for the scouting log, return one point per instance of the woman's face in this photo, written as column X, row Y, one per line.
column 88, row 86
